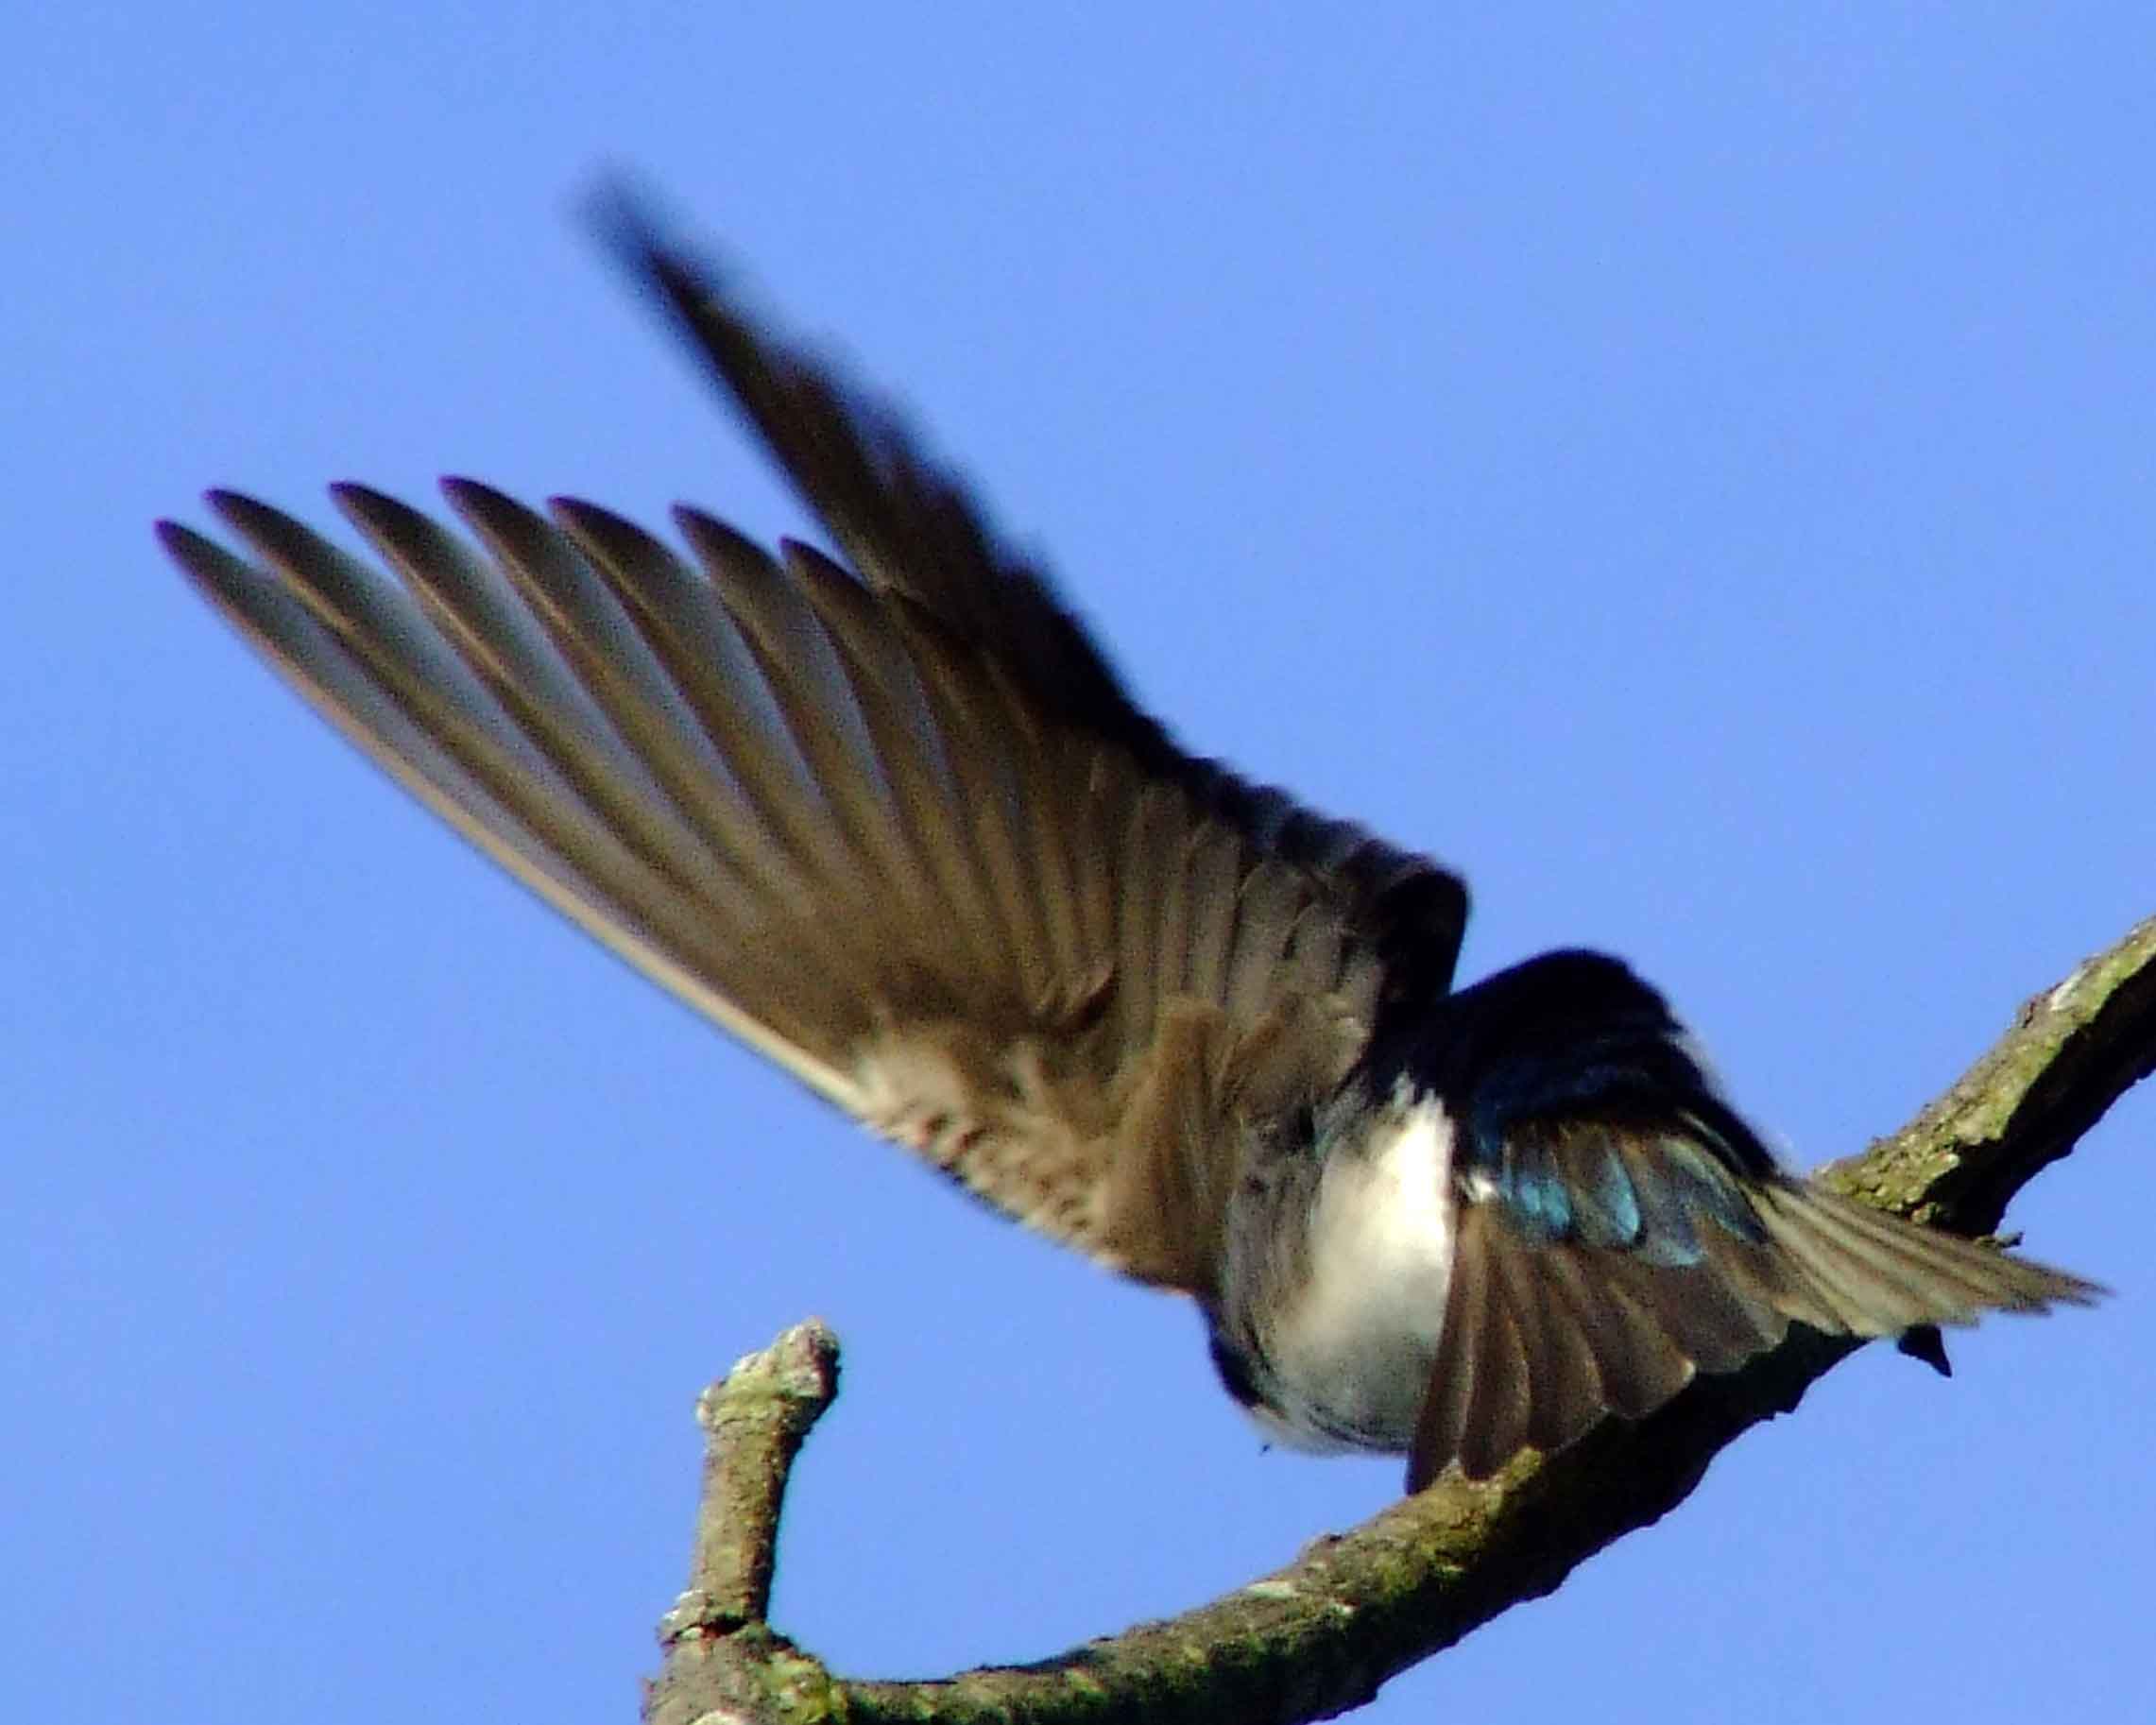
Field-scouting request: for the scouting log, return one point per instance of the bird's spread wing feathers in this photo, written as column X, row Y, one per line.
column 896, row 826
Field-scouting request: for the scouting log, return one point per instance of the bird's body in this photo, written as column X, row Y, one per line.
column 1334, row 1318
column 895, row 823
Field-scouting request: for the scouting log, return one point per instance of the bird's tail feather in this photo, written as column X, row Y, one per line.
column 1860, row 1272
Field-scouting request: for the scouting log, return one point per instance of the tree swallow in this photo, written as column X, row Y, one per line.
column 893, row 821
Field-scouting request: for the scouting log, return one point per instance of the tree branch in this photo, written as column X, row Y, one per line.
column 1321, row 1636
column 721, row 1658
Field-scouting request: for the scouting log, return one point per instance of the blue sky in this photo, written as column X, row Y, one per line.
column 1690, row 470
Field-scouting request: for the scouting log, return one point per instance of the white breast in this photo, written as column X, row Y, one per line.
column 1352, row 1356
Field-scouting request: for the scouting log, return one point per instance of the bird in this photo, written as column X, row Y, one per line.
column 888, row 814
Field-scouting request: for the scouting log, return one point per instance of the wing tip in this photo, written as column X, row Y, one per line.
column 623, row 213
column 175, row 538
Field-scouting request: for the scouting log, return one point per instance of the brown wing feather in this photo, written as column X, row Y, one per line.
column 898, row 827
column 1545, row 1335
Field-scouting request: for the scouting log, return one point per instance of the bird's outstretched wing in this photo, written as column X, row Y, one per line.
column 895, row 824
